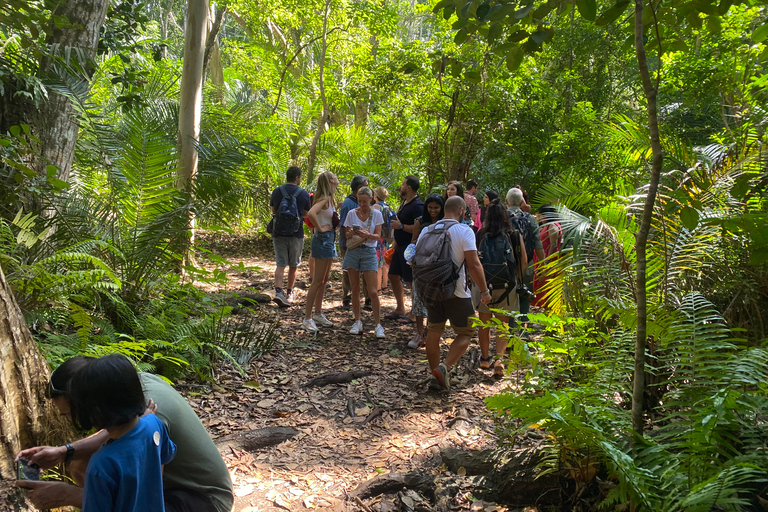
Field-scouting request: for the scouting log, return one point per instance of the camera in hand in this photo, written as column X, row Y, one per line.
column 26, row 470
column 525, row 293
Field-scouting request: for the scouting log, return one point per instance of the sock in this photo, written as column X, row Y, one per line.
column 278, row 289
column 289, row 291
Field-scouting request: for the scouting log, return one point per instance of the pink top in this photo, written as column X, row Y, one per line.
column 471, row 201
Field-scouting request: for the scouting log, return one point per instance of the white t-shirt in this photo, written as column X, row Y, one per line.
column 353, row 220
column 462, row 239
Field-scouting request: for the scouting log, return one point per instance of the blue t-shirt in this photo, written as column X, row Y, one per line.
column 125, row 475
column 303, row 203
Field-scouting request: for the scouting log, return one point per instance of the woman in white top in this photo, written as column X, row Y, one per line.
column 323, row 249
column 362, row 229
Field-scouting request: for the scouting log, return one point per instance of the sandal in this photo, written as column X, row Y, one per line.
column 485, row 362
column 498, row 369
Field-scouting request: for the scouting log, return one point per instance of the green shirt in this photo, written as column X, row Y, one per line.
column 198, row 466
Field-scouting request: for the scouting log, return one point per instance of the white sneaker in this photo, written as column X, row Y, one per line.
column 309, row 325
column 415, row 343
column 357, row 327
column 380, row 332
column 321, row 320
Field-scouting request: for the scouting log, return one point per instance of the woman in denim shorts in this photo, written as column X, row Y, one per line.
column 323, row 249
column 363, row 231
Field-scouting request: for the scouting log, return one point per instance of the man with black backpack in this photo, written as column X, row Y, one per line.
column 445, row 252
column 289, row 204
column 526, row 224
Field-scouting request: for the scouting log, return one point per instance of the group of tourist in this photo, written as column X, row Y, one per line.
column 374, row 246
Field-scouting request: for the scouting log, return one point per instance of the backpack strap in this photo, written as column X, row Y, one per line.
column 299, row 190
column 284, row 192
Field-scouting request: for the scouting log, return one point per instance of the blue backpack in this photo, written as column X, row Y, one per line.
column 287, row 219
column 500, row 258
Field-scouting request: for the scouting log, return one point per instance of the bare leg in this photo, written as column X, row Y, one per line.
column 354, row 285
column 433, row 348
column 501, row 341
column 370, row 282
column 291, row 277
column 458, row 347
column 317, row 288
column 279, row 273
column 484, row 335
column 397, row 289
column 420, row 326
column 311, row 268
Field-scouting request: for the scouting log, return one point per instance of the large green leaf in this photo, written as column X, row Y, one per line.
column 613, row 13
column 689, row 217
column 760, row 33
column 587, row 9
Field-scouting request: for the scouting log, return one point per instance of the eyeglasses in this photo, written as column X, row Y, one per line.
column 52, row 391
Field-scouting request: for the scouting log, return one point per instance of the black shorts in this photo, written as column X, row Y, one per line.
column 399, row 267
column 182, row 500
column 457, row 310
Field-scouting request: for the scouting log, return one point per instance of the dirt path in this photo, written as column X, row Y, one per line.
column 335, row 451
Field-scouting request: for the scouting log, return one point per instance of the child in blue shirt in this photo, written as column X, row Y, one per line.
column 125, row 474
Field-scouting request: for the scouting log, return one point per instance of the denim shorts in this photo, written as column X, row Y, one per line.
column 324, row 245
column 361, row 258
column 288, row 250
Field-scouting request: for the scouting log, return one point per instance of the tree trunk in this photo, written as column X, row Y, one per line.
column 191, row 102
column 53, row 122
column 191, row 97
column 638, row 386
column 326, row 114
column 26, row 419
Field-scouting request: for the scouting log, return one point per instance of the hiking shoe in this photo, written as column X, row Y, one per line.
column 321, row 320
column 357, row 327
column 380, row 332
column 290, row 297
column 309, row 325
column 415, row 342
column 346, row 306
column 441, row 374
column 367, row 306
column 485, row 362
column 282, row 300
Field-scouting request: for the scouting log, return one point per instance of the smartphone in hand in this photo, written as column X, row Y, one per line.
column 26, row 470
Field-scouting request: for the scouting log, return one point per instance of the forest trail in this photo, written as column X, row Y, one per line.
column 398, row 425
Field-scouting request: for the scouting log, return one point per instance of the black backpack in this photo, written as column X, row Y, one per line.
column 522, row 224
column 500, row 258
column 434, row 272
column 287, row 218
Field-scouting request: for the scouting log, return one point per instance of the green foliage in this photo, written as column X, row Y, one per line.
column 702, row 449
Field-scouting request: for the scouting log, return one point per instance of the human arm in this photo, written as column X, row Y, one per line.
column 313, row 215
column 475, row 269
column 416, row 231
column 49, row 456
column 46, row 495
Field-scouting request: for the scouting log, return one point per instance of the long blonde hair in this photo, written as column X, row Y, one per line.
column 324, row 187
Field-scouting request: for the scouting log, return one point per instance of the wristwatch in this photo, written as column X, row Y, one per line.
column 70, row 452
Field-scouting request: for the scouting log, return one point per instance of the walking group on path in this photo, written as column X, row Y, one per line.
column 462, row 261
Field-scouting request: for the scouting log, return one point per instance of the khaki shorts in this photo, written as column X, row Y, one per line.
column 511, row 304
column 457, row 310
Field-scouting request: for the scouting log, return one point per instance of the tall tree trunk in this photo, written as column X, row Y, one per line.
column 321, row 121
column 191, row 101
column 26, row 419
column 638, row 387
column 191, row 97
column 53, row 122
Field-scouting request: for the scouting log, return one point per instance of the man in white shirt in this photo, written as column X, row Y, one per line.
column 458, row 309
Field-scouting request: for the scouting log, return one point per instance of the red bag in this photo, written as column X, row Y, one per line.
column 388, row 255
